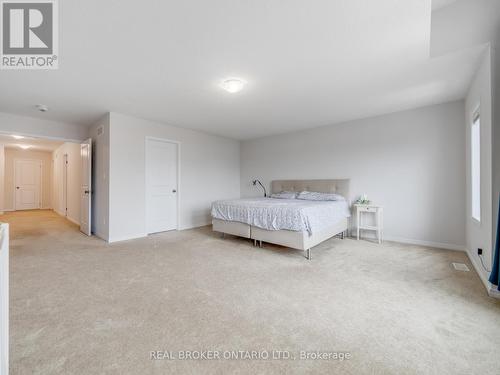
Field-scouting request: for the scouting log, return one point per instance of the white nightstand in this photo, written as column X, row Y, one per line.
column 360, row 210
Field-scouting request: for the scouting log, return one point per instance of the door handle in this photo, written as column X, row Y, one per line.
column 174, row 191
column 86, row 191
column 17, row 187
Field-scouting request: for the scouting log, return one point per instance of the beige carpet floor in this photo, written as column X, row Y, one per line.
column 81, row 306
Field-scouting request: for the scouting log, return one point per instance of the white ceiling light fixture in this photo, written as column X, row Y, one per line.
column 17, row 136
column 233, row 84
column 25, row 147
column 42, row 107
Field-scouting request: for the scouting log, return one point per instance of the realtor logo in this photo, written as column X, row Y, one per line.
column 29, row 34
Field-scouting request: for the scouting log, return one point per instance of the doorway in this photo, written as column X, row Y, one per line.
column 162, row 182
column 45, row 174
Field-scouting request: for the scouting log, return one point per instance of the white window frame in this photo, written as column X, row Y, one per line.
column 475, row 159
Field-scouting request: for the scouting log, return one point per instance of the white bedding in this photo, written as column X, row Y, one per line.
column 278, row 214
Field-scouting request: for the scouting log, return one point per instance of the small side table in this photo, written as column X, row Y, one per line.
column 361, row 209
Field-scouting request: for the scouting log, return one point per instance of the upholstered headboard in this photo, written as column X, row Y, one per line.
column 321, row 186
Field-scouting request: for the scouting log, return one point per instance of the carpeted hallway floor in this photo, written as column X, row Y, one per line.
column 81, row 306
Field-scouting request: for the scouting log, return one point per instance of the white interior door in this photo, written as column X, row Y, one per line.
column 86, row 194
column 27, row 184
column 161, row 185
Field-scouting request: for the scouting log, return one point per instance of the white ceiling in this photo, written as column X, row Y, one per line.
column 438, row 4
column 35, row 143
column 307, row 63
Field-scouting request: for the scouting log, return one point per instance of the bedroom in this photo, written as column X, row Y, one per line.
column 385, row 111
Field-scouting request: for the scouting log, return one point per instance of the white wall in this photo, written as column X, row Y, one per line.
column 209, row 171
column 496, row 136
column 479, row 234
column 73, row 180
column 4, row 298
column 30, row 126
column 11, row 154
column 100, row 178
column 2, row 178
column 410, row 162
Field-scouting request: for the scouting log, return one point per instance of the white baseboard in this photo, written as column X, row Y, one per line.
column 74, row 221
column 13, row 210
column 193, row 226
column 438, row 245
column 142, row 235
column 494, row 292
column 127, row 237
column 101, row 236
column 490, row 288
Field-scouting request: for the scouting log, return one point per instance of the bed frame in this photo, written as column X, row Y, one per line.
column 295, row 240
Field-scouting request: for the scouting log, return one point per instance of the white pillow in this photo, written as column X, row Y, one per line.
column 285, row 195
column 315, row 196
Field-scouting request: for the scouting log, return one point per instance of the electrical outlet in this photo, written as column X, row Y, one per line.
column 479, row 251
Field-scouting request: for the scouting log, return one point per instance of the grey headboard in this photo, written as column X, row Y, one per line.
column 322, row 186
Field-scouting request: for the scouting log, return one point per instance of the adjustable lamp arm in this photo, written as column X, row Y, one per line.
column 255, row 182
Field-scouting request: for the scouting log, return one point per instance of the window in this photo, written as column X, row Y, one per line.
column 476, row 166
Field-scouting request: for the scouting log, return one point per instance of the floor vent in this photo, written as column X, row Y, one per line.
column 460, row 267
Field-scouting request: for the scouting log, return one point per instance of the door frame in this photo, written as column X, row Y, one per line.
column 178, row 144
column 65, row 184
column 90, row 143
column 40, row 188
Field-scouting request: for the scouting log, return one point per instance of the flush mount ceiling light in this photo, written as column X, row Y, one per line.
column 233, row 85
column 42, row 107
column 17, row 136
column 25, row 147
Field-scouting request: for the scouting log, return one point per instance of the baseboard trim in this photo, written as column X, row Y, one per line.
column 13, row 210
column 494, row 292
column 490, row 288
column 195, row 226
column 127, row 238
column 77, row 222
column 479, row 271
column 101, row 236
column 438, row 245
column 142, row 235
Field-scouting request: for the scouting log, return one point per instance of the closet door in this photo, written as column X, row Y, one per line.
column 161, row 185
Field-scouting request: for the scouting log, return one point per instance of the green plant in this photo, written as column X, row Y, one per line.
column 363, row 199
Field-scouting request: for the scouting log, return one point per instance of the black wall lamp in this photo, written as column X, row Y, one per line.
column 255, row 182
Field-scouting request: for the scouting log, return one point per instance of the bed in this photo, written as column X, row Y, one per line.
column 292, row 223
